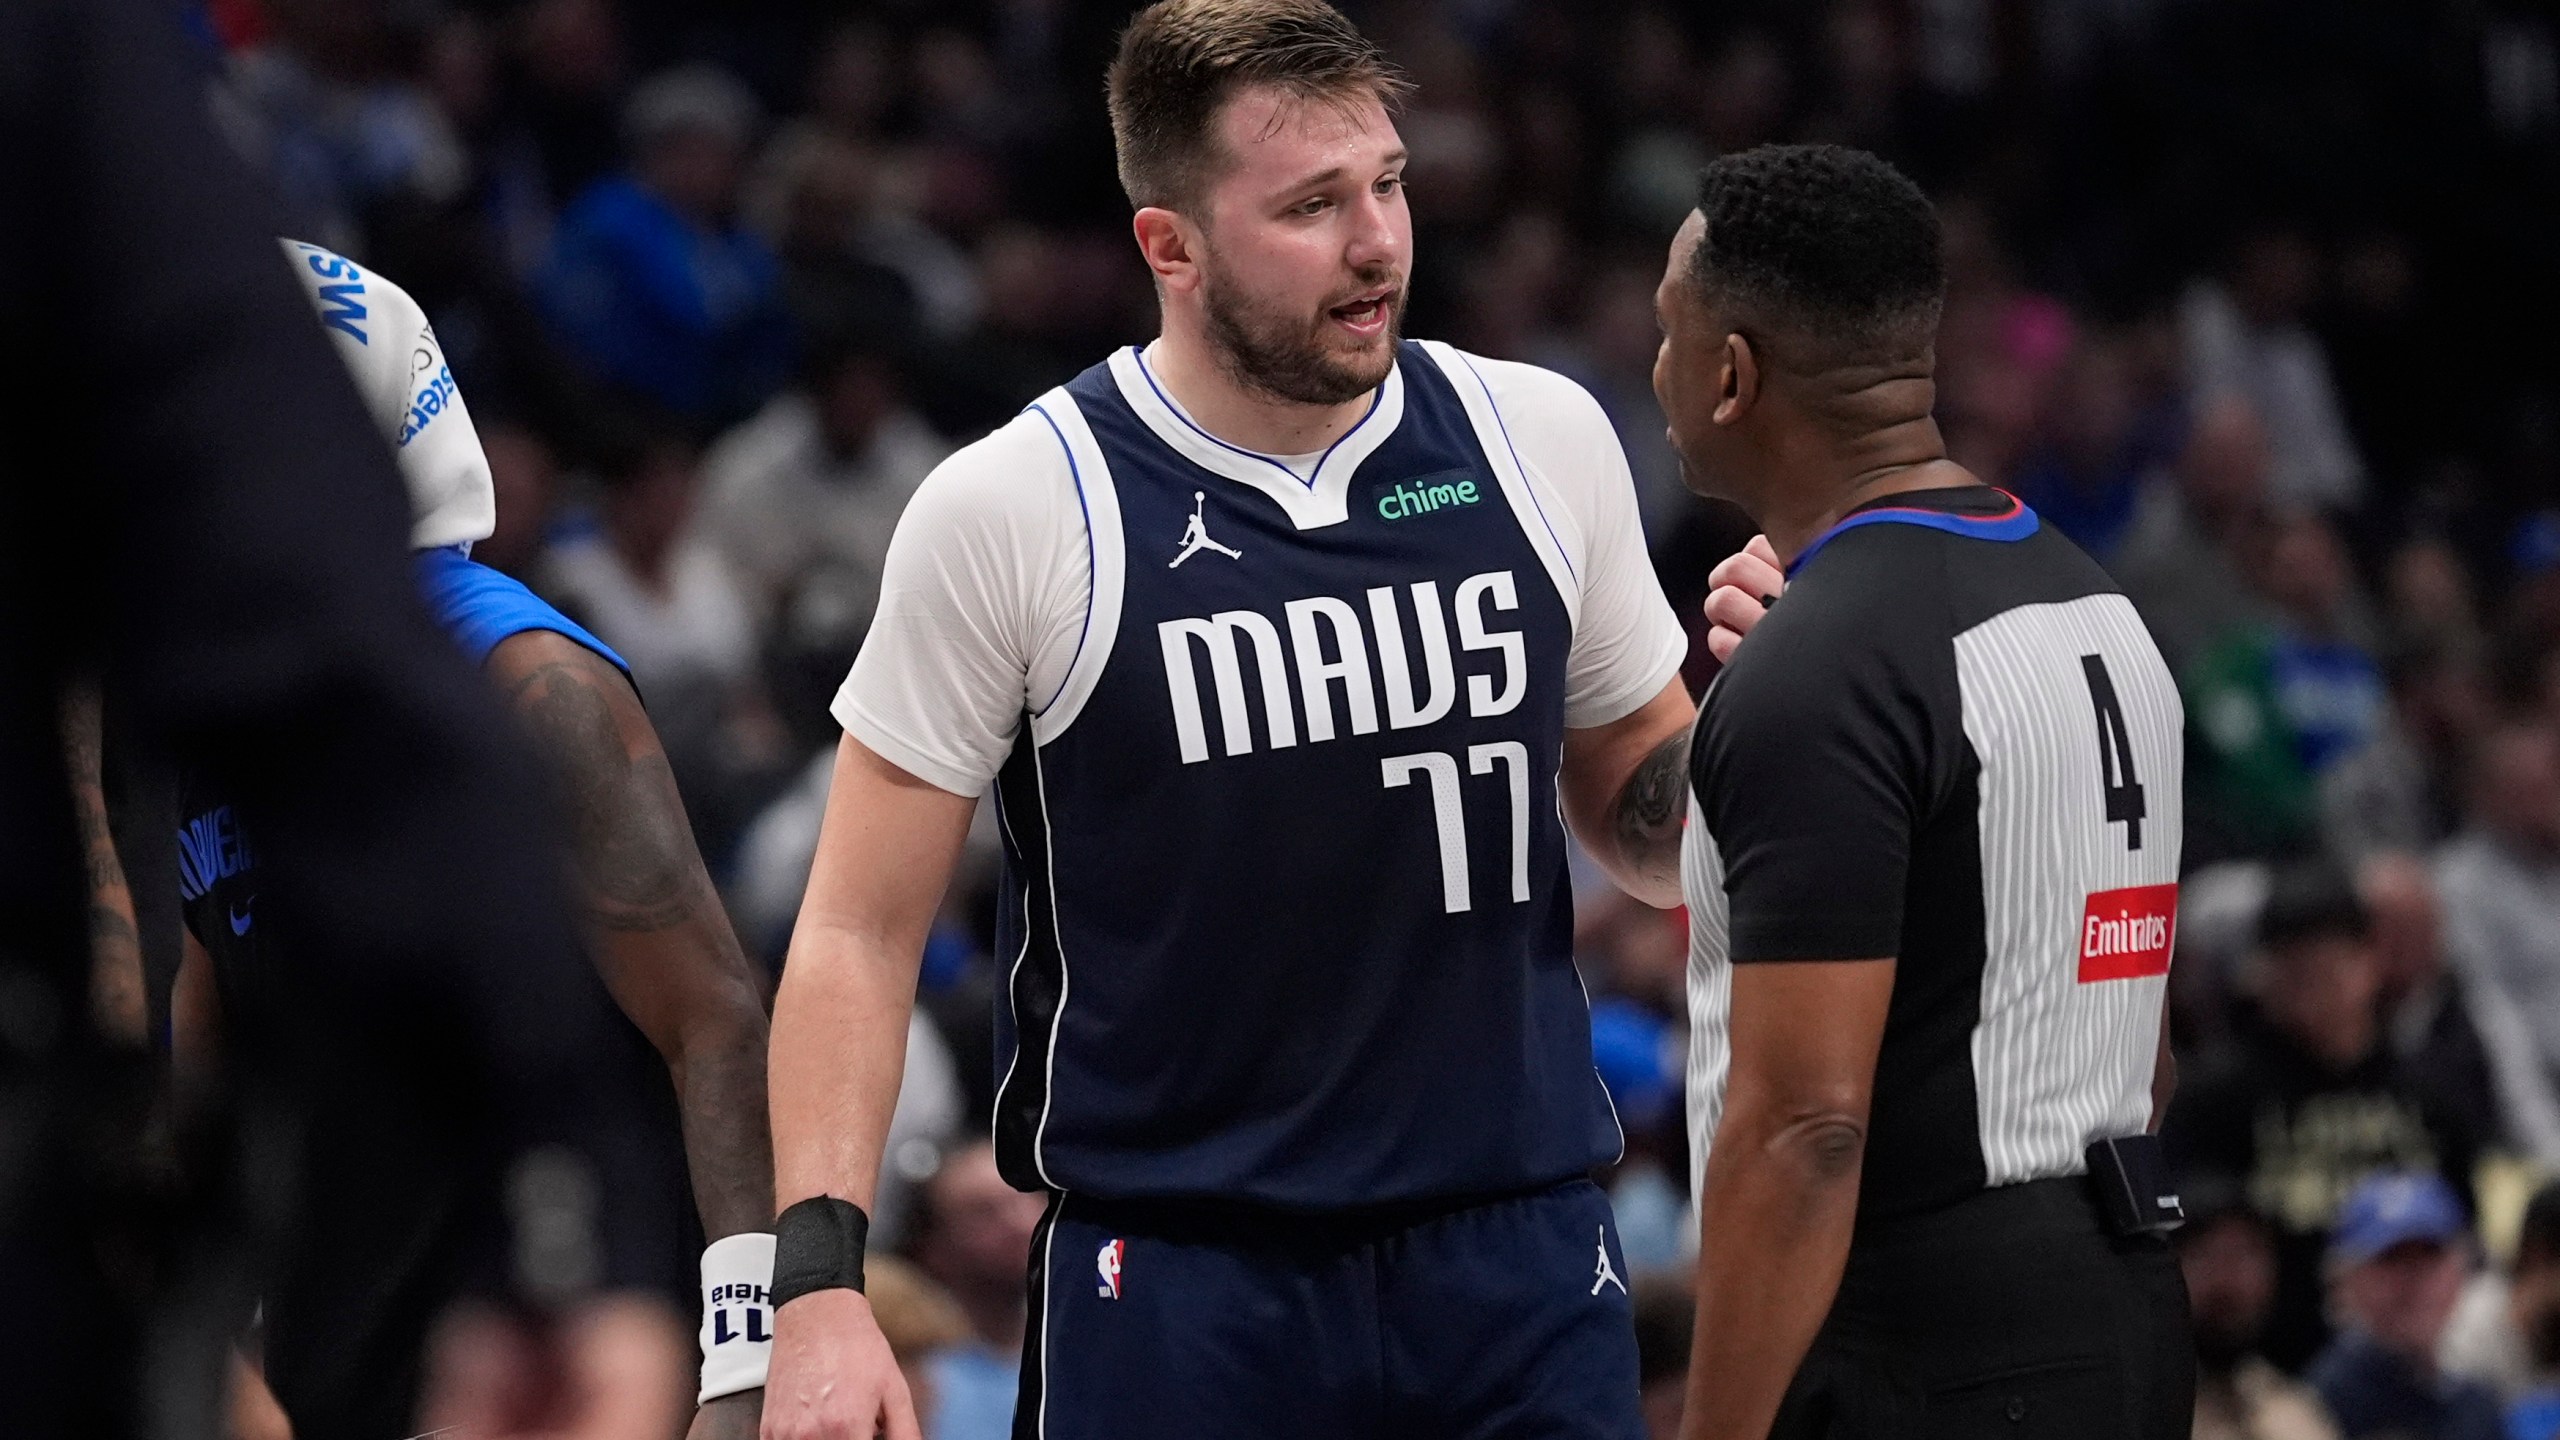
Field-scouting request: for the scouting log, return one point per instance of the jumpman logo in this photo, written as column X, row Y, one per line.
column 1608, row 1274
column 1195, row 537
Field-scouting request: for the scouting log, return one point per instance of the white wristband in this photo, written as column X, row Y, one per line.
column 737, row 1318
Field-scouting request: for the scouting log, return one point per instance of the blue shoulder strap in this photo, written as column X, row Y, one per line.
column 481, row 607
column 2015, row 523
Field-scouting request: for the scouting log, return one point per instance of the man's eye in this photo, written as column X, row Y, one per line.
column 1387, row 185
column 1311, row 207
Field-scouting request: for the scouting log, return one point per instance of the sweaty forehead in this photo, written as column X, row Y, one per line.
column 1272, row 138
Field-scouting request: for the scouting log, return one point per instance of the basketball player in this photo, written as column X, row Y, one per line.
column 345, row 1322
column 1931, row 872
column 1281, row 642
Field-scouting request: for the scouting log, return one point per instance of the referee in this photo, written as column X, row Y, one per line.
column 1931, row 875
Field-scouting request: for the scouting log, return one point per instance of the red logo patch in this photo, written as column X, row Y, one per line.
column 2126, row 934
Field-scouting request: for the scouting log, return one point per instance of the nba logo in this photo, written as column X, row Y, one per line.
column 1107, row 1265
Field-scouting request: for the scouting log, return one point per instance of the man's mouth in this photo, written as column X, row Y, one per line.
column 1366, row 314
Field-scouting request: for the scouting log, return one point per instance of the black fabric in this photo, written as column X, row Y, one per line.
column 2009, row 1314
column 817, row 1245
column 198, row 509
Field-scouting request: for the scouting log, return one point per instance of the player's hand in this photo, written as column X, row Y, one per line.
column 832, row 1376
column 731, row 1417
column 1739, row 592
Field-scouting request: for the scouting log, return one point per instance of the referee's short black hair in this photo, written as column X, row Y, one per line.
column 1827, row 242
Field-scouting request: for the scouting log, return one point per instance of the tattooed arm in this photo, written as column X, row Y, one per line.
column 1626, row 791
column 115, row 942
column 653, row 921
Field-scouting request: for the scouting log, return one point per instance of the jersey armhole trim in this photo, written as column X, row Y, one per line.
column 1493, row 436
column 1105, row 564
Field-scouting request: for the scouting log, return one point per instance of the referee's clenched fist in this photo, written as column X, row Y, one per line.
column 1931, row 868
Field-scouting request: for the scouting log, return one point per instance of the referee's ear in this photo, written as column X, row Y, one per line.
column 1737, row 379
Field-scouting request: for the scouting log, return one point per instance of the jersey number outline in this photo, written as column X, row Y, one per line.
column 2116, row 779
column 1449, row 810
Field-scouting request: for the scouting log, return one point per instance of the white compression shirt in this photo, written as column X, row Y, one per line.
column 984, row 596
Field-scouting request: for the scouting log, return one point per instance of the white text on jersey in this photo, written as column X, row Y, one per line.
column 1340, row 660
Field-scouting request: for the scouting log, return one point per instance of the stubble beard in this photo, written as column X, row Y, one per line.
column 1284, row 356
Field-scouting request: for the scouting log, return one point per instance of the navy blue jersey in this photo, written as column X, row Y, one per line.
column 1285, row 916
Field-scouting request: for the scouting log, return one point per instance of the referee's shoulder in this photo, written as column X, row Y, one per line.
column 1872, row 600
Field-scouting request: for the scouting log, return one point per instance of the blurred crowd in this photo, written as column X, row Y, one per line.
column 2243, row 296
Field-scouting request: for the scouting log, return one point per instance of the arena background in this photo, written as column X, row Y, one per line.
column 2250, row 297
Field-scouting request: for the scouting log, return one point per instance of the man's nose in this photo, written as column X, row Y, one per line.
column 1375, row 238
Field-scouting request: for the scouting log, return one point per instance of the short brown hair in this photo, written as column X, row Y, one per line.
column 1180, row 60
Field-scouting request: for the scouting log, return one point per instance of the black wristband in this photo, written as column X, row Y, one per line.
column 817, row 1245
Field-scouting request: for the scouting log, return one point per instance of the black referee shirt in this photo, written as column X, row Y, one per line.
column 1953, row 743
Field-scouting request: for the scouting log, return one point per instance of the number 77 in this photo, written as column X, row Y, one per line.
column 1397, row 771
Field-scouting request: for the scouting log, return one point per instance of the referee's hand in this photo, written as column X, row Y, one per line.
column 1739, row 592
column 832, row 1376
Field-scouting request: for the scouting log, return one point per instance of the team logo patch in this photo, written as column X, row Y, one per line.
column 2126, row 934
column 1195, row 536
column 1107, row 1265
column 1606, row 1274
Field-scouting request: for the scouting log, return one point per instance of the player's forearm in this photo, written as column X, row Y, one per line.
column 720, row 1093
column 115, row 940
column 839, row 1051
column 1775, row 1218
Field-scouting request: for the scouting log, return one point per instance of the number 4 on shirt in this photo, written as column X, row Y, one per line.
column 2115, row 753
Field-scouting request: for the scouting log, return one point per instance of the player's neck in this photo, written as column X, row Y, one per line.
column 1895, row 461
column 1249, row 419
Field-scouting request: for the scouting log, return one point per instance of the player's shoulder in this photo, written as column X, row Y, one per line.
column 1017, row 479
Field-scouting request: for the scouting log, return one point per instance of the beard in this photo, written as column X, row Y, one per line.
column 1264, row 348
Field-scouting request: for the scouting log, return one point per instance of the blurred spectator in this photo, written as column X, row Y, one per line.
column 666, row 600
column 2087, row 457
column 2276, row 704
column 2000, row 345
column 2431, row 601
column 974, row 1237
column 652, row 280
column 2427, row 1010
column 1666, row 1318
column 819, row 477
column 2401, row 790
column 2506, row 1331
column 2197, row 534
column 2217, row 932
column 2396, row 1269
column 812, row 196
column 2501, row 885
column 526, row 473
column 1612, row 354
column 2302, row 1098
column 2229, row 1260
column 2245, row 335
column 2533, row 557
column 336, row 119
column 918, row 1319
column 570, row 64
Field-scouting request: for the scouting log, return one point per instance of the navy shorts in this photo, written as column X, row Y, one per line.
column 1504, row 1320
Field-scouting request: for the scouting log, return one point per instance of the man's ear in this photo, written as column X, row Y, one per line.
column 1737, row 380
column 1171, row 245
